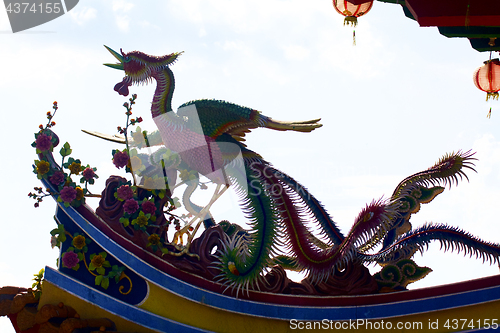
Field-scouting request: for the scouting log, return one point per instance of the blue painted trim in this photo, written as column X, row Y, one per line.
column 119, row 308
column 277, row 311
column 140, row 287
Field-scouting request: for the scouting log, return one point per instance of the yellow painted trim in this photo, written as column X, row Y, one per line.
column 169, row 305
column 425, row 322
column 166, row 304
column 54, row 295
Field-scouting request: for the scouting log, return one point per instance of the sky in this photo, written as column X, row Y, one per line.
column 391, row 106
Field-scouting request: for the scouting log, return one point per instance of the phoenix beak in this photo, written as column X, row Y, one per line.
column 118, row 56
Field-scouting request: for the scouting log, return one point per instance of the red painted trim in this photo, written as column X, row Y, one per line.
column 458, row 21
column 455, row 13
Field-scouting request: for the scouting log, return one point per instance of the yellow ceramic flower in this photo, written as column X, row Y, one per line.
column 79, row 242
column 142, row 220
column 97, row 261
column 75, row 168
column 154, row 239
column 79, row 193
column 42, row 167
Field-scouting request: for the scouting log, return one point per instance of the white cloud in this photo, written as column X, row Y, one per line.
column 83, row 15
column 248, row 55
column 122, row 21
column 488, row 153
column 148, row 25
column 121, row 7
column 296, row 52
column 237, row 46
column 59, row 62
column 235, row 14
column 337, row 51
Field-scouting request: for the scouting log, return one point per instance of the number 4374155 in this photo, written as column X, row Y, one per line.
column 472, row 324
column 26, row 7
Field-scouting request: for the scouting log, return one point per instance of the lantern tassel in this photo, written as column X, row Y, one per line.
column 492, row 95
column 354, row 37
column 489, row 114
column 351, row 20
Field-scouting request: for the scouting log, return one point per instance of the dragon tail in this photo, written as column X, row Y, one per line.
column 299, row 213
column 450, row 238
column 447, row 171
column 416, row 189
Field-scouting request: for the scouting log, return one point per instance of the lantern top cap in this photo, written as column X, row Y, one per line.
column 497, row 60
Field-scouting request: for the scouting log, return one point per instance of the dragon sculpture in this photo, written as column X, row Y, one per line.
column 289, row 226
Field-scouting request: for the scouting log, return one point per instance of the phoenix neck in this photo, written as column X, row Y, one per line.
column 165, row 84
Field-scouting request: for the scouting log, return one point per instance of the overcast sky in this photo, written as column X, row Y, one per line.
column 391, row 106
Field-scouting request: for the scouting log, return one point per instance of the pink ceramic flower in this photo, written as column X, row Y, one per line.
column 43, row 142
column 130, row 206
column 70, row 259
column 148, row 207
column 88, row 173
column 57, row 178
column 68, row 194
column 125, row 192
column 120, row 159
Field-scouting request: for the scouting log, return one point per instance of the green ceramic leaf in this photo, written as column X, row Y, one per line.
column 105, row 283
column 98, row 279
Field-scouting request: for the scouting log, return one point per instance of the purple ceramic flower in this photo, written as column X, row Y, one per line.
column 57, row 178
column 120, row 159
column 68, row 194
column 125, row 192
column 130, row 206
column 148, row 207
column 43, row 142
column 88, row 173
column 70, row 259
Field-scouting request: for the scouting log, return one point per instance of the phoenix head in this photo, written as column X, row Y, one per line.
column 139, row 67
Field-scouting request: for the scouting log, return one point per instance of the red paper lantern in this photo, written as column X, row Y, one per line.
column 352, row 11
column 487, row 78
